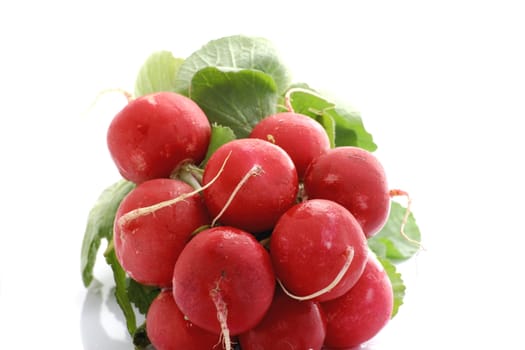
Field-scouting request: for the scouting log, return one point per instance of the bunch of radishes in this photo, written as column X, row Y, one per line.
column 260, row 243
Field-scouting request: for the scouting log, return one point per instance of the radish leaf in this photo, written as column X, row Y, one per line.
column 389, row 243
column 343, row 125
column 140, row 295
column 398, row 286
column 100, row 225
column 121, row 293
column 349, row 129
column 128, row 292
column 234, row 52
column 237, row 99
column 219, row 136
column 157, row 73
column 140, row 338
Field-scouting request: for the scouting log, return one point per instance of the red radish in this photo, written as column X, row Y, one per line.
column 258, row 184
column 156, row 133
column 360, row 314
column 318, row 250
column 223, row 281
column 168, row 329
column 147, row 246
column 354, row 178
column 300, row 136
column 288, row 325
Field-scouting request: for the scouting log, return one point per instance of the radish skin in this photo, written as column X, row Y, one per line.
column 153, row 135
column 314, row 244
column 223, row 281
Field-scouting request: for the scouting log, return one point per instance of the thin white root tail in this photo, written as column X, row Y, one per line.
column 396, row 193
column 350, row 257
column 288, row 96
column 136, row 213
column 126, row 94
column 255, row 170
column 222, row 316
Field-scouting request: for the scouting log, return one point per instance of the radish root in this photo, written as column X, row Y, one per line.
column 136, row 213
column 397, row 193
column 254, row 171
column 350, row 257
column 222, row 315
column 288, row 96
column 127, row 95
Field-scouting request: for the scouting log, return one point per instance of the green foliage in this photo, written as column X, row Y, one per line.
column 140, row 295
column 398, row 286
column 120, row 292
column 234, row 53
column 100, row 225
column 237, row 99
column 390, row 243
column 219, row 136
column 157, row 73
column 343, row 126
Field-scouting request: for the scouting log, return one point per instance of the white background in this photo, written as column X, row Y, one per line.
column 440, row 85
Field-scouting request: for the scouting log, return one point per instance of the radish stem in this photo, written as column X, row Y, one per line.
column 190, row 179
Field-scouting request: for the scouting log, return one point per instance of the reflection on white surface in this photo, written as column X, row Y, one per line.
column 96, row 332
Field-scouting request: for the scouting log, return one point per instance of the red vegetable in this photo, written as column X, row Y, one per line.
column 156, row 133
column 318, row 246
column 168, row 329
column 147, row 246
column 354, row 178
column 360, row 314
column 258, row 184
column 300, row 136
column 223, row 281
column 288, row 325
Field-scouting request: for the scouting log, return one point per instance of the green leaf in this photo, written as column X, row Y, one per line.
column 121, row 292
column 157, row 73
column 140, row 338
column 350, row 130
column 398, row 285
column 140, row 295
column 344, row 126
column 237, row 99
column 219, row 136
column 234, row 52
column 389, row 243
column 329, row 124
column 100, row 225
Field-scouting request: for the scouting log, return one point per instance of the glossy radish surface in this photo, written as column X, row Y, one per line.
column 288, row 325
column 360, row 314
column 168, row 329
column 312, row 243
column 148, row 246
column 259, row 180
column 224, row 275
column 354, row 178
column 300, row 136
column 154, row 134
